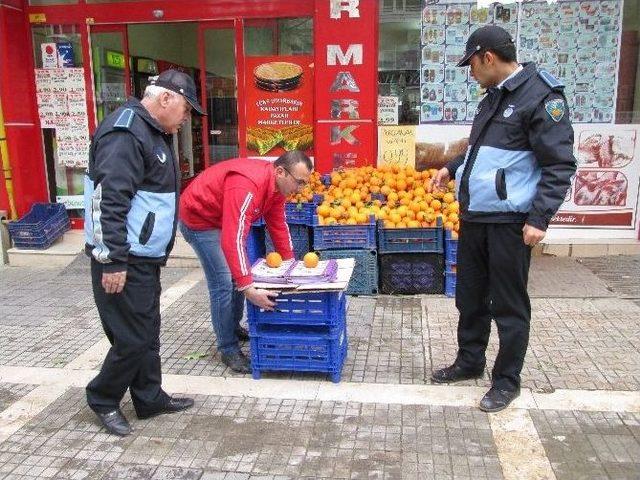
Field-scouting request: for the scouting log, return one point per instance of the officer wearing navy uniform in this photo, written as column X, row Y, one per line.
column 511, row 181
column 131, row 199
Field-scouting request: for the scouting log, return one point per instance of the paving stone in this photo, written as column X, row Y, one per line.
column 255, row 438
column 589, row 445
column 620, row 273
column 11, row 392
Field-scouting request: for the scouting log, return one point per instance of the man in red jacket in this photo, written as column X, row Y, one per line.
column 216, row 213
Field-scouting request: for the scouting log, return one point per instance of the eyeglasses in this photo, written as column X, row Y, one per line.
column 301, row 182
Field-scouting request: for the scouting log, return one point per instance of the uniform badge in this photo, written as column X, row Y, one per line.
column 160, row 154
column 555, row 109
column 508, row 111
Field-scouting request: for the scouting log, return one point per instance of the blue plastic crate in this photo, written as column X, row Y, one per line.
column 450, row 283
column 364, row 280
column 38, row 229
column 299, row 238
column 300, row 213
column 450, row 247
column 450, row 266
column 327, row 309
column 298, row 349
column 327, row 237
column 410, row 240
column 255, row 244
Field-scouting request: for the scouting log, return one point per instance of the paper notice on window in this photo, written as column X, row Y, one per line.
column 388, row 110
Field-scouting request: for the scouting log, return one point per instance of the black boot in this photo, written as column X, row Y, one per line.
column 454, row 373
column 115, row 422
column 238, row 362
column 495, row 400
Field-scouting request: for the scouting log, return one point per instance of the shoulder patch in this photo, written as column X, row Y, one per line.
column 125, row 119
column 555, row 109
column 550, row 80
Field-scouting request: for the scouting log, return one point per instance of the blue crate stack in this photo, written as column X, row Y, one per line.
column 351, row 241
column 411, row 260
column 38, row 229
column 451, row 259
column 307, row 332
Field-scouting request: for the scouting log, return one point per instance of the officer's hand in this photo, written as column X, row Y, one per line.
column 114, row 282
column 261, row 298
column 532, row 235
column 439, row 182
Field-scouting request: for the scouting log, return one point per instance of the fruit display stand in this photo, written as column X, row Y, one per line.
column 307, row 330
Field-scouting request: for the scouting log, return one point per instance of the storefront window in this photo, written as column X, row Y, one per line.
column 62, row 108
column 592, row 47
column 283, row 36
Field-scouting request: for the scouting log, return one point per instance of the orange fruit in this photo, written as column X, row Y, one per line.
column 274, row 260
column 448, row 198
column 311, row 260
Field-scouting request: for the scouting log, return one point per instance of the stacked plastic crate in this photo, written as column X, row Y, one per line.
column 451, row 262
column 351, row 241
column 41, row 227
column 411, row 260
column 307, row 332
column 299, row 220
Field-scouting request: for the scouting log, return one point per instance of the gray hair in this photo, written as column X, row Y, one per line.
column 152, row 91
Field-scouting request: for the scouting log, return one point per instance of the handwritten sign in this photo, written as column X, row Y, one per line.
column 397, row 145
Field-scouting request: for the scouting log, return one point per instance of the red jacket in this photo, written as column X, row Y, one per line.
column 230, row 196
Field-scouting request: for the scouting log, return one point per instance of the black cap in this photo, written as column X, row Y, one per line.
column 181, row 83
column 485, row 38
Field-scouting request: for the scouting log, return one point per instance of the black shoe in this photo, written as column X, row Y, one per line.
column 495, row 400
column 173, row 405
column 115, row 422
column 238, row 362
column 454, row 373
column 242, row 334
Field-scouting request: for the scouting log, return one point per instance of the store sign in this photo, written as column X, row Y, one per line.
column 397, row 146
column 346, row 83
column 71, row 202
column 114, row 59
column 279, row 93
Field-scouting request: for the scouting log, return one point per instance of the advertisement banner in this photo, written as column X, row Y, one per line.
column 279, row 104
column 604, row 191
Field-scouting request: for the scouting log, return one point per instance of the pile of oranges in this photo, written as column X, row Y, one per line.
column 403, row 198
column 314, row 186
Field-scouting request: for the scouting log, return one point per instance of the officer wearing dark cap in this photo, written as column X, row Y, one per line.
column 131, row 202
column 511, row 181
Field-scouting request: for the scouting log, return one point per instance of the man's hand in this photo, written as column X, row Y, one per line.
column 261, row 298
column 532, row 235
column 114, row 282
column 439, row 182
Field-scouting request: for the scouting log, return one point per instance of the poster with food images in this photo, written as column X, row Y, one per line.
column 579, row 43
column 604, row 191
column 279, row 115
column 448, row 93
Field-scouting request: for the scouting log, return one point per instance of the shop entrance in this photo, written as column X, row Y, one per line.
column 125, row 57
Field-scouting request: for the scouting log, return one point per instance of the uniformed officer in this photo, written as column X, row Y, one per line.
column 131, row 198
column 511, row 181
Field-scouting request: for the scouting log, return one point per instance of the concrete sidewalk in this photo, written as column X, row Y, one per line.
column 577, row 418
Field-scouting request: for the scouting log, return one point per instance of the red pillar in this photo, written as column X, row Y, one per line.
column 17, row 93
column 346, row 53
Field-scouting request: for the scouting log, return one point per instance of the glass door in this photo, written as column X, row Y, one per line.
column 218, row 77
column 111, row 72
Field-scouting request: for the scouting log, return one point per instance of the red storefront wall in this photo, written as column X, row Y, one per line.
column 17, row 93
column 331, row 132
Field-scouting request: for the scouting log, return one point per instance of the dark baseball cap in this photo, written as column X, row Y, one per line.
column 485, row 38
column 181, row 83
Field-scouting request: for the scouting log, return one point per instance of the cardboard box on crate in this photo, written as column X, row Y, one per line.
column 411, row 260
column 307, row 332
